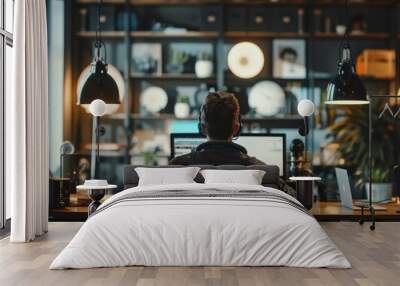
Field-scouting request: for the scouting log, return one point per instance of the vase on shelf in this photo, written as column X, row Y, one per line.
column 182, row 107
column 203, row 68
column 204, row 65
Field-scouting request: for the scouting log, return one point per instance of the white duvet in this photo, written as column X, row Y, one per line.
column 206, row 231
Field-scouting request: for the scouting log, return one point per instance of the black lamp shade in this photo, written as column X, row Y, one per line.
column 346, row 88
column 100, row 85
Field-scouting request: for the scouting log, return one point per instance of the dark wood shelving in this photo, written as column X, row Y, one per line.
column 169, row 76
column 240, row 2
column 244, row 34
column 164, row 116
column 150, row 34
column 365, row 36
column 105, row 34
column 104, row 1
column 364, row 78
column 187, row 34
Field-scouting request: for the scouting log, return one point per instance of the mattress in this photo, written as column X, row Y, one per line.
column 201, row 225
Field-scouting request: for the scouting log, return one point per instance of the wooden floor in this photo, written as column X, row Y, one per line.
column 375, row 257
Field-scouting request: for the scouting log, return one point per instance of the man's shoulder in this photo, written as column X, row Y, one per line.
column 254, row 161
column 182, row 160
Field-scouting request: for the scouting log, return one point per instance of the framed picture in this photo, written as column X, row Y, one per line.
column 289, row 59
column 146, row 58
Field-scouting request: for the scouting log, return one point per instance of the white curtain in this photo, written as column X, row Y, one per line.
column 27, row 123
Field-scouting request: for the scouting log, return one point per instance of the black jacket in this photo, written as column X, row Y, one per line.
column 217, row 153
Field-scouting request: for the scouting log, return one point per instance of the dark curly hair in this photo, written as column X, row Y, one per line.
column 221, row 110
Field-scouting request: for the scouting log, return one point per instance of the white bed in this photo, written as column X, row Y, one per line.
column 207, row 230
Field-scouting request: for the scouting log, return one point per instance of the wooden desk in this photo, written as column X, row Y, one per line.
column 326, row 211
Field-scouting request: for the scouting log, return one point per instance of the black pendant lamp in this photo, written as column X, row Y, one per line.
column 346, row 88
column 99, row 85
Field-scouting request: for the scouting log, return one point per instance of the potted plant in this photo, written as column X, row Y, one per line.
column 178, row 60
column 351, row 133
column 382, row 189
column 204, row 65
column 182, row 107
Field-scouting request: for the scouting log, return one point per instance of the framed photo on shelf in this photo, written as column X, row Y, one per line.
column 289, row 59
column 146, row 59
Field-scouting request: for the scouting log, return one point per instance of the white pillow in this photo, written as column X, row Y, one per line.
column 248, row 177
column 166, row 176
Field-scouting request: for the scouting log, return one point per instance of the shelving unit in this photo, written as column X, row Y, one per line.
column 321, row 56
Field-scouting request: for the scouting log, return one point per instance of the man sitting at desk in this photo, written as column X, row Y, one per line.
column 219, row 121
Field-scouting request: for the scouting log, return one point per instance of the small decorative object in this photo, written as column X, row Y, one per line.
column 377, row 63
column 267, row 98
column 59, row 195
column 153, row 99
column 146, row 58
column 83, row 19
column 358, row 25
column 103, row 15
column 121, row 20
column 340, row 29
column 317, row 20
column 190, row 92
column 245, row 60
column 296, row 158
column 396, row 182
column 66, row 148
column 289, row 59
column 182, row 107
column 201, row 95
column 178, row 60
column 204, row 66
column 211, row 17
column 182, row 56
column 300, row 19
column 381, row 186
column 328, row 24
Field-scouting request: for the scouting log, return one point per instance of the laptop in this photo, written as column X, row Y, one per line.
column 346, row 197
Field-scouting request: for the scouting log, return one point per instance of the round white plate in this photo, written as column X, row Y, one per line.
column 154, row 99
column 267, row 98
column 245, row 60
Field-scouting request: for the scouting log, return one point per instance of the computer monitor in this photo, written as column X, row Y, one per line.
column 267, row 147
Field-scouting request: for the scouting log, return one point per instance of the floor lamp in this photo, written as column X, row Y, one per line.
column 347, row 89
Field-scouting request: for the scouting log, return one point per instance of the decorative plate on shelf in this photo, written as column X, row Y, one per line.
column 267, row 98
column 154, row 99
column 245, row 60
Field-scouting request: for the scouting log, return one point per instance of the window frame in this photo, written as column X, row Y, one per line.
column 6, row 39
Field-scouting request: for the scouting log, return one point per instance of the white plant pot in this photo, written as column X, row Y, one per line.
column 182, row 110
column 203, row 69
column 380, row 192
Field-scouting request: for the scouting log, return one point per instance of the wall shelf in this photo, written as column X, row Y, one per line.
column 104, row 34
column 187, row 34
column 363, row 36
column 167, row 76
column 244, row 34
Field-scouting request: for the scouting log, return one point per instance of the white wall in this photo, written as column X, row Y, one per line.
column 55, row 18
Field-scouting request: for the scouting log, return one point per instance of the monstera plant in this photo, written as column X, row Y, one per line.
column 351, row 132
